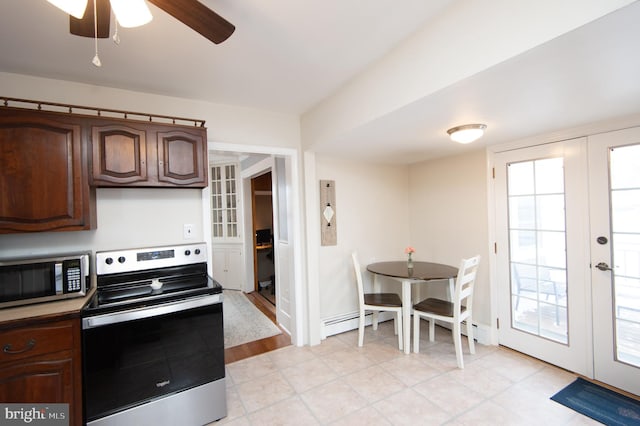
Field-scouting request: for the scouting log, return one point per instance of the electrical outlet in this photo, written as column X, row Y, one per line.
column 188, row 231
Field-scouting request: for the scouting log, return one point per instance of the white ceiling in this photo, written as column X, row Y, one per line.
column 288, row 55
column 588, row 75
column 285, row 55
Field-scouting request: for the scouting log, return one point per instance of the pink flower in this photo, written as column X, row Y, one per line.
column 409, row 250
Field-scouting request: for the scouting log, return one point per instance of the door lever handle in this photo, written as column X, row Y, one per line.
column 603, row 267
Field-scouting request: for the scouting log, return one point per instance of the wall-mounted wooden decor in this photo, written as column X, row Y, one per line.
column 328, row 228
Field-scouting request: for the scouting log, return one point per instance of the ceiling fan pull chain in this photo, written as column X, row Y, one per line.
column 116, row 37
column 96, row 59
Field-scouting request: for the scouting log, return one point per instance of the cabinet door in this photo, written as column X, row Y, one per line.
column 225, row 203
column 182, row 157
column 227, row 267
column 119, row 155
column 219, row 266
column 43, row 178
column 235, row 268
column 45, row 379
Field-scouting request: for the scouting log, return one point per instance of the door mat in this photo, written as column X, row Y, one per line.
column 601, row 404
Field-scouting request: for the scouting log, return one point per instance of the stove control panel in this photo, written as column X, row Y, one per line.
column 131, row 260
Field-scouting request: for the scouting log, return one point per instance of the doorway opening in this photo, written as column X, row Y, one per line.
column 263, row 259
column 238, row 269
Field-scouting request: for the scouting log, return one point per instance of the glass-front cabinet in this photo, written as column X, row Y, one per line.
column 226, row 225
column 225, row 210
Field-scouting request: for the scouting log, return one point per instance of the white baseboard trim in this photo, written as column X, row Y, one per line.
column 347, row 322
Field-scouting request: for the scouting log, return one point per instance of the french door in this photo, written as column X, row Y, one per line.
column 615, row 240
column 565, row 212
column 542, row 264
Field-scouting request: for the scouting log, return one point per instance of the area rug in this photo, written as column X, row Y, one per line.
column 601, row 404
column 243, row 322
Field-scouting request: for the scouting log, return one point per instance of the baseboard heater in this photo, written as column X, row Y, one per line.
column 347, row 322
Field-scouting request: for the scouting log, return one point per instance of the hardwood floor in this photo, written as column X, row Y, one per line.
column 257, row 347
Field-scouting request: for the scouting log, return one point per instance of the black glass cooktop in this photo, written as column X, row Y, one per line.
column 129, row 291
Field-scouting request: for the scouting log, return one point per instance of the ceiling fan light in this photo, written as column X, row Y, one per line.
column 466, row 133
column 74, row 8
column 131, row 13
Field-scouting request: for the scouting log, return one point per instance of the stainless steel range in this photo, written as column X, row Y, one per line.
column 152, row 337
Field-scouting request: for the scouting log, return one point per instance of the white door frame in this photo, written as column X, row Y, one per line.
column 299, row 314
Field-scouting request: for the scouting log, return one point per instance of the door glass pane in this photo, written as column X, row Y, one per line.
column 625, row 210
column 537, row 248
column 522, row 212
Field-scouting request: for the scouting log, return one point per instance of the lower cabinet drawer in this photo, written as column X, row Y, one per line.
column 26, row 342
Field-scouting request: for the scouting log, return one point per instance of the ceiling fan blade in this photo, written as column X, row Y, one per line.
column 198, row 17
column 85, row 27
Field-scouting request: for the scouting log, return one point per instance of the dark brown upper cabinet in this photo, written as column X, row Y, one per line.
column 119, row 155
column 182, row 157
column 148, row 155
column 51, row 162
column 43, row 173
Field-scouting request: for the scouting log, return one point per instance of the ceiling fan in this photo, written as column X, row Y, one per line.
column 192, row 13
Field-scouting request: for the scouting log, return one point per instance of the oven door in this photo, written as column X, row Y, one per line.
column 136, row 356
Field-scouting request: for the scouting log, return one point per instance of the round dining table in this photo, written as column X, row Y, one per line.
column 421, row 272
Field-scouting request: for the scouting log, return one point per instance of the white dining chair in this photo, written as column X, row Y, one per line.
column 453, row 312
column 376, row 302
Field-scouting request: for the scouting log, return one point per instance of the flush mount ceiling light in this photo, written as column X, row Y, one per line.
column 466, row 133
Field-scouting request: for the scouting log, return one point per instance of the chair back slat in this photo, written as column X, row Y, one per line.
column 358, row 272
column 463, row 291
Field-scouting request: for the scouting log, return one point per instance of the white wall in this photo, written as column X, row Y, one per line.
column 439, row 207
column 371, row 217
column 127, row 218
column 449, row 218
column 138, row 217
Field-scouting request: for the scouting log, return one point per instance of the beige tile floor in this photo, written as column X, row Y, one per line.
column 338, row 383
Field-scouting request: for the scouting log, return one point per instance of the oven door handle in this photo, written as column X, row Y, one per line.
column 148, row 312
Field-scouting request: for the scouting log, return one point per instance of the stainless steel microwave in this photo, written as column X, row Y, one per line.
column 26, row 281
